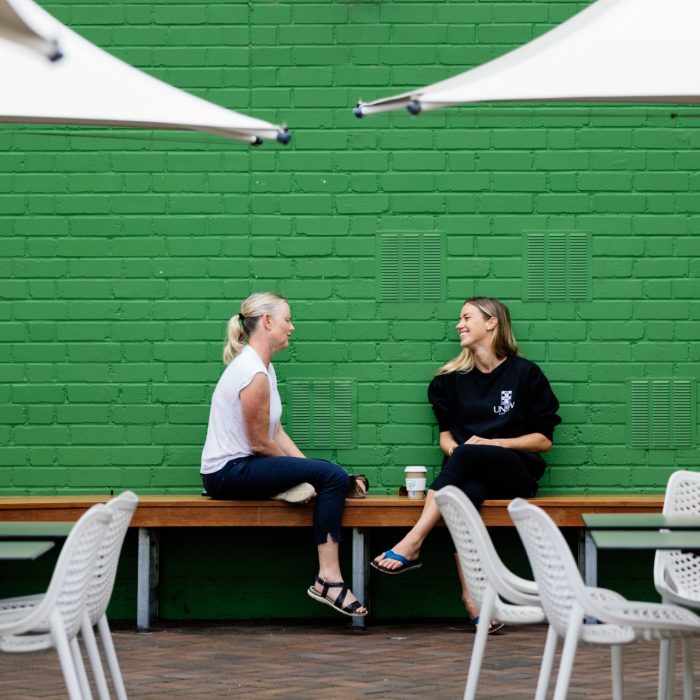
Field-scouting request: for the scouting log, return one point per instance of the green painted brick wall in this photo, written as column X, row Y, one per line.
column 122, row 254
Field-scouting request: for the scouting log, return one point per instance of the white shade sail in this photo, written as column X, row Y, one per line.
column 91, row 87
column 14, row 27
column 612, row 51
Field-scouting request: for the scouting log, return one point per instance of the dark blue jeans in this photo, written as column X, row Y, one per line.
column 487, row 471
column 259, row 478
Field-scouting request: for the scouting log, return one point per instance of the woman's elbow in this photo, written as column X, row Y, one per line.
column 545, row 443
column 259, row 446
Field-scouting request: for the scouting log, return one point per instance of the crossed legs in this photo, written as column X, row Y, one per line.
column 481, row 471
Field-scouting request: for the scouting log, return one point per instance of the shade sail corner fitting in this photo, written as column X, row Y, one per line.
column 55, row 53
column 414, row 107
column 17, row 26
column 91, row 87
column 618, row 51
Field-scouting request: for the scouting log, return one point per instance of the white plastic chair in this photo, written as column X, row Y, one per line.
column 677, row 573
column 101, row 586
column 62, row 607
column 104, row 573
column 567, row 601
column 490, row 582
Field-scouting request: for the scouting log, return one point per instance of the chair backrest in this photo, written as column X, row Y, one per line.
column 478, row 558
column 122, row 508
column 68, row 588
column 558, row 579
column 675, row 569
column 683, row 494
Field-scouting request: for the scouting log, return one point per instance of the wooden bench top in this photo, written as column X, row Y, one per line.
column 374, row 511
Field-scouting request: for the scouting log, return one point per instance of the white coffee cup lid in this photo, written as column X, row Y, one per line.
column 416, row 469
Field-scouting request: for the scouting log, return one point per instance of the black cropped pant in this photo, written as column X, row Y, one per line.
column 487, row 471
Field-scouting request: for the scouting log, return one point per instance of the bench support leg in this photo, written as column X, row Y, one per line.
column 147, row 583
column 590, row 574
column 360, row 570
column 589, row 565
column 581, row 551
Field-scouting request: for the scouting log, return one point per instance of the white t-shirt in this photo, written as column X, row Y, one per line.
column 226, row 434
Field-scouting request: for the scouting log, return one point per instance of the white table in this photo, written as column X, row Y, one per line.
column 24, row 550
column 636, row 532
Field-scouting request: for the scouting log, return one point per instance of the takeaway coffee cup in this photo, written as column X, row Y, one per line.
column 415, row 481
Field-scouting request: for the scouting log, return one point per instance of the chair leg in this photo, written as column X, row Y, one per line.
column 550, row 648
column 568, row 654
column 112, row 661
column 618, row 681
column 65, row 658
column 94, row 655
column 482, row 631
column 665, row 690
column 80, row 669
column 688, row 680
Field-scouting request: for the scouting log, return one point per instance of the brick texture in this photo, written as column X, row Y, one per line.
column 326, row 659
column 122, row 254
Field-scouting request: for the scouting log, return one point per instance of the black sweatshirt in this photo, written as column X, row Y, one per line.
column 513, row 400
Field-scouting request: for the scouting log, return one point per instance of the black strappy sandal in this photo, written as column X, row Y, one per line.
column 350, row 609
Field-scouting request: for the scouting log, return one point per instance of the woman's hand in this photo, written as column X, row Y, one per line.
column 476, row 440
column 447, row 443
column 532, row 442
column 286, row 443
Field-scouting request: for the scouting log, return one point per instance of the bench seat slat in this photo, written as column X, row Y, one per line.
column 180, row 510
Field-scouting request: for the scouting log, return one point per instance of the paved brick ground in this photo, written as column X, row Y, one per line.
column 293, row 662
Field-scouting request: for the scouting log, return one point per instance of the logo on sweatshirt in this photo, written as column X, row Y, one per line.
column 506, row 403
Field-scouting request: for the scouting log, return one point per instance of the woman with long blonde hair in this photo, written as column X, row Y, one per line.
column 248, row 455
column 496, row 413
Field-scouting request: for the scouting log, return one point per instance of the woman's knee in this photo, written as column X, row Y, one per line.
column 476, row 492
column 332, row 475
column 339, row 477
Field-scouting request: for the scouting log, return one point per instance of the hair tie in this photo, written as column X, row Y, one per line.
column 241, row 318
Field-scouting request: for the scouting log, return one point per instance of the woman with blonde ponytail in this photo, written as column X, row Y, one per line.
column 248, row 455
column 496, row 413
column 235, row 338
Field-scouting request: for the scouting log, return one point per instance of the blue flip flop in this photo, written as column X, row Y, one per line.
column 494, row 625
column 407, row 563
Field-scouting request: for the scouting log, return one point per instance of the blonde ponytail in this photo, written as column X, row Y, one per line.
column 246, row 320
column 235, row 337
